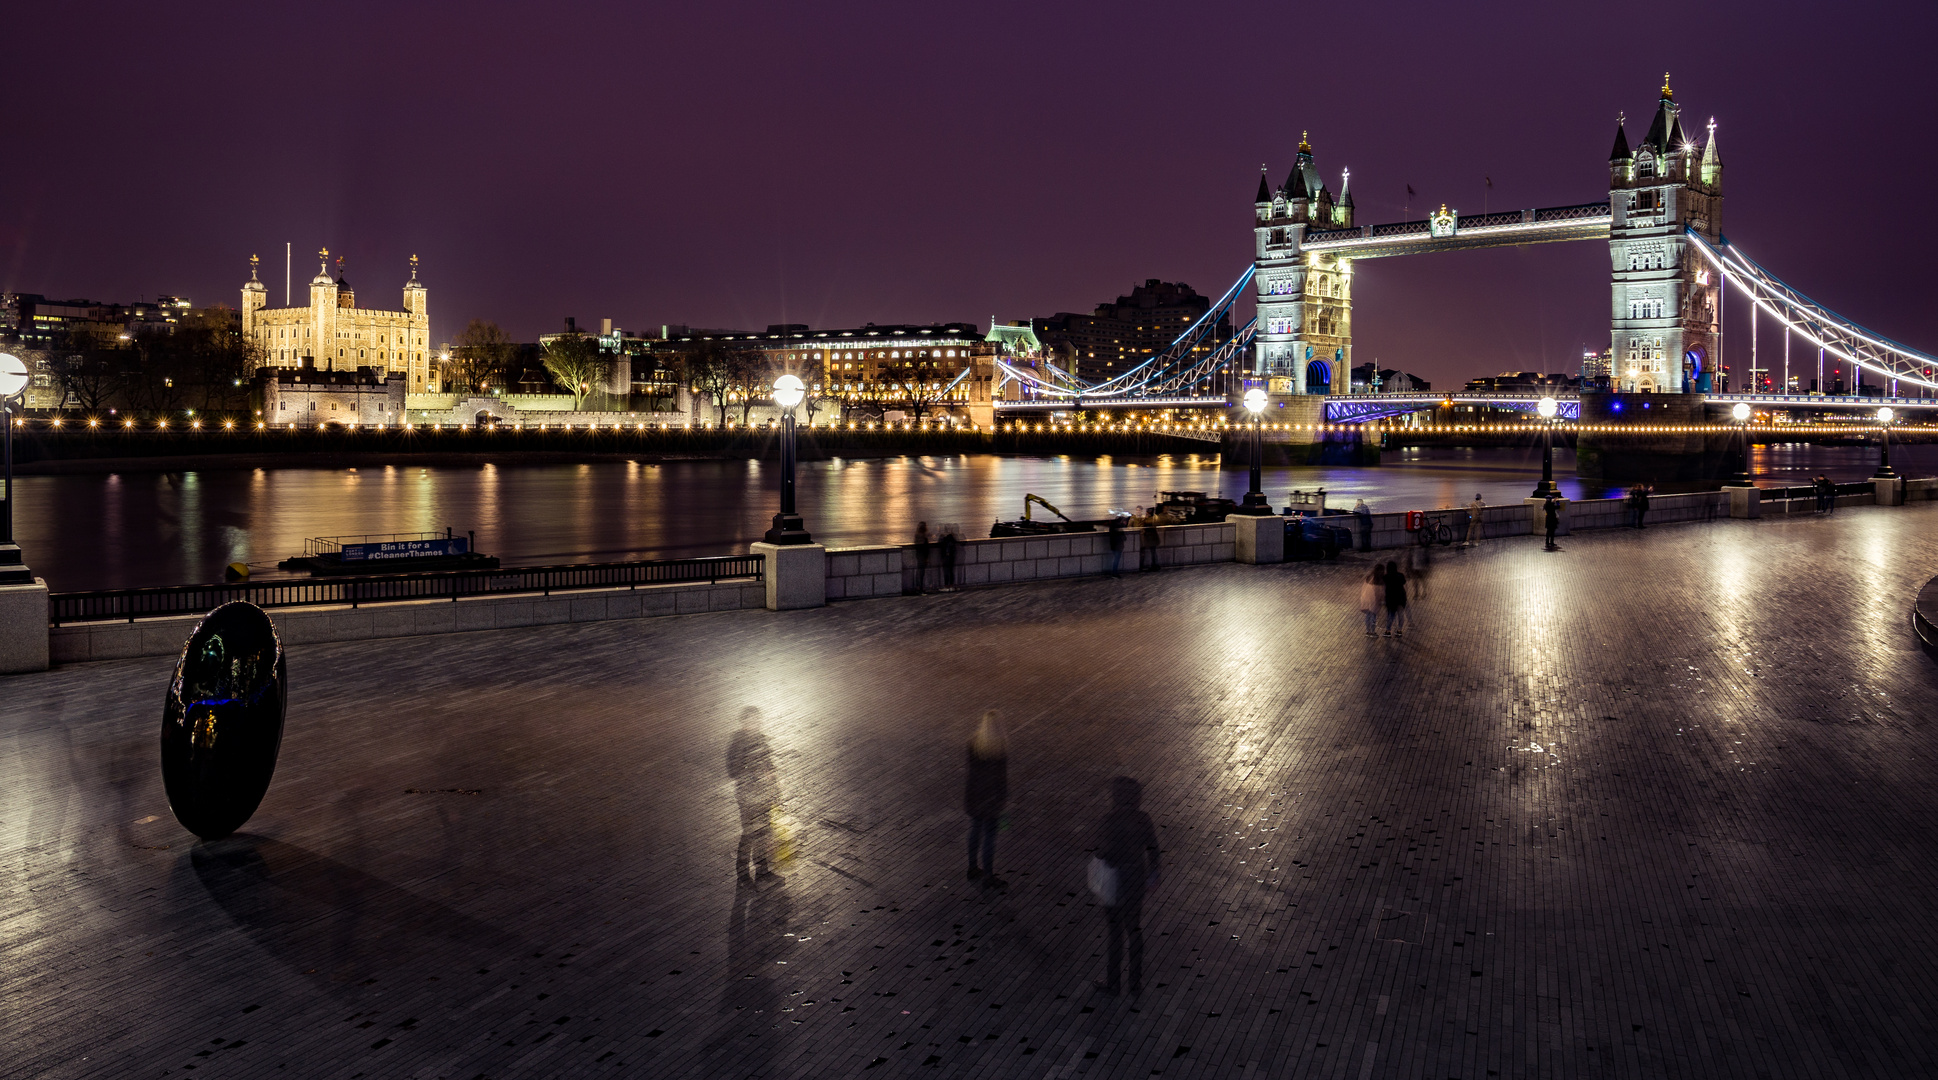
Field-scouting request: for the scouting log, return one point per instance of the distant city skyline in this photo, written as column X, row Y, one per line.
column 874, row 163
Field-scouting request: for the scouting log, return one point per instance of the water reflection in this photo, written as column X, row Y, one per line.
column 90, row 531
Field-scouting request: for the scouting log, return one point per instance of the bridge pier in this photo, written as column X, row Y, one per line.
column 1657, row 445
column 1297, row 437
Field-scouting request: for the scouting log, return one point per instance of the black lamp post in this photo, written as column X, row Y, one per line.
column 788, row 392
column 13, row 383
column 1884, row 471
column 1546, row 489
column 1741, row 414
column 1255, row 502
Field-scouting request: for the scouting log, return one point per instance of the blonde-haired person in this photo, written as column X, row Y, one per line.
column 984, row 795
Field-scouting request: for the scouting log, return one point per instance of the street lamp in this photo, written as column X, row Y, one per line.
column 1884, row 472
column 788, row 392
column 1548, row 407
column 1740, row 412
column 13, row 381
column 1255, row 502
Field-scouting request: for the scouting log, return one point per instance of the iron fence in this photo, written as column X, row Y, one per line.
column 132, row 604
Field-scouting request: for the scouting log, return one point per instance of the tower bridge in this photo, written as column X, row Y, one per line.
column 1671, row 268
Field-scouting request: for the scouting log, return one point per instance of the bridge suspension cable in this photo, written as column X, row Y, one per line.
column 1814, row 322
column 1167, row 372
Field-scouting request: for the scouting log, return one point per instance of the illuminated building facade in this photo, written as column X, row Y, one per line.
column 1305, row 299
column 1665, row 307
column 334, row 334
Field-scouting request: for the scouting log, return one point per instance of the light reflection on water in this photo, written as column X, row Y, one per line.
column 96, row 531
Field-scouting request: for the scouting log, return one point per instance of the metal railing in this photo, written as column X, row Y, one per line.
column 149, row 603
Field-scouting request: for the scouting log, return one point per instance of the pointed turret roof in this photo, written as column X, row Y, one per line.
column 1710, row 155
column 1346, row 187
column 1676, row 138
column 1621, row 152
column 1295, row 184
column 1264, row 189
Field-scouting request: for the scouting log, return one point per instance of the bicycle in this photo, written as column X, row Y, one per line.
column 1433, row 529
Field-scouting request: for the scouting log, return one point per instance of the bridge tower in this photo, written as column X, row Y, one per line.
column 1304, row 300
column 1665, row 304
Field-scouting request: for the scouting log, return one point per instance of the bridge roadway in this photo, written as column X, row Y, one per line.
column 1346, row 408
column 1655, row 805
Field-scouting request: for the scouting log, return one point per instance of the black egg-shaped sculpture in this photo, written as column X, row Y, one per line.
column 223, row 721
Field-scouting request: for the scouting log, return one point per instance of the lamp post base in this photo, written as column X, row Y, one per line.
column 1544, row 489
column 1256, row 505
column 13, row 566
column 1884, row 472
column 1739, row 479
column 787, row 531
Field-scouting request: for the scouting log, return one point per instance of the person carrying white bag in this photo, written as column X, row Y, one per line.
column 1124, row 868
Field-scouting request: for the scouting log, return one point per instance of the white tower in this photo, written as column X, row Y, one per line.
column 1665, row 304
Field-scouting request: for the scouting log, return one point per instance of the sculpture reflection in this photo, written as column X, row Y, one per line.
column 222, row 723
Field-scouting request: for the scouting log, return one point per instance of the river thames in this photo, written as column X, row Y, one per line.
column 128, row 529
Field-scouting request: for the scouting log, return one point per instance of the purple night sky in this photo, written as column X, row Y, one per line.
column 734, row 164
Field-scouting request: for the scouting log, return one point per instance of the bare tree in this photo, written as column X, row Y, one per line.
column 704, row 370
column 482, row 357
column 749, row 371
column 575, row 362
column 89, row 370
column 909, row 385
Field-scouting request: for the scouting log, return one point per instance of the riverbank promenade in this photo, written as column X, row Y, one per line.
column 1656, row 804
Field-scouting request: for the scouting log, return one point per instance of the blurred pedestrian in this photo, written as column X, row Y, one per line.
column 1474, row 510
column 948, row 551
column 1421, row 560
column 750, row 762
column 1363, row 514
column 1395, row 601
column 1126, row 868
column 1551, row 510
column 1147, row 558
column 1116, row 545
column 1638, row 505
column 984, row 796
column 921, row 556
column 1372, row 590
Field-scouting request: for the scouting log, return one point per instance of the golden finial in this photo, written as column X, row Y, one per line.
column 1666, row 92
column 323, row 254
column 1304, row 146
column 413, row 267
column 252, row 267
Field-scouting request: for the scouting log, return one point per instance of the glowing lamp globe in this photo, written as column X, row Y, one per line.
column 1548, row 407
column 1255, row 400
column 1885, row 414
column 788, row 391
column 1741, row 412
column 13, row 376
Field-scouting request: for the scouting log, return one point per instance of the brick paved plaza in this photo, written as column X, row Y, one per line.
column 1660, row 804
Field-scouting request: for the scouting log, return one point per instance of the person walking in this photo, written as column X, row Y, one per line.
column 1147, row 558
column 750, row 762
column 1395, row 601
column 948, row 550
column 1551, row 511
column 984, row 795
column 1126, row 845
column 921, row 557
column 1421, row 562
column 1116, row 545
column 1372, row 591
column 1364, row 515
column 1474, row 530
column 1637, row 506
column 1817, row 492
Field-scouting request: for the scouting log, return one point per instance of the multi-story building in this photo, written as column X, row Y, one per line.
column 871, row 366
column 1119, row 335
column 1665, row 304
column 305, row 396
column 334, row 334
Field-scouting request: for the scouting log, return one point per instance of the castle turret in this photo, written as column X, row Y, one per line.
column 254, row 298
column 417, row 357
column 322, row 346
column 1712, row 161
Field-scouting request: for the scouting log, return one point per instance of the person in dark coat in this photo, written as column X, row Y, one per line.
column 750, row 762
column 948, row 551
column 1395, row 601
column 1551, row 509
column 984, row 795
column 1127, row 842
column 921, row 557
column 1116, row 545
column 1147, row 555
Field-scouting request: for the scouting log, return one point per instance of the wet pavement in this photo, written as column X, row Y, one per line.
column 1656, row 804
